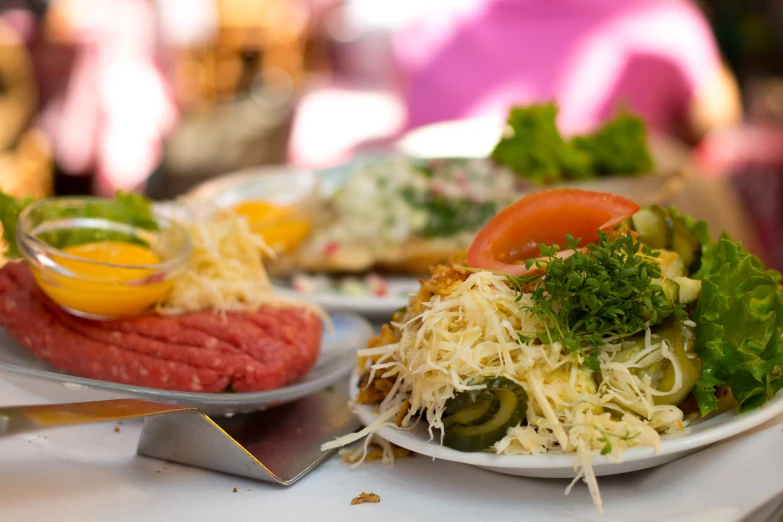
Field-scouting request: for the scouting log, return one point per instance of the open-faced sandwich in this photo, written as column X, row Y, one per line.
column 578, row 324
column 403, row 215
column 115, row 290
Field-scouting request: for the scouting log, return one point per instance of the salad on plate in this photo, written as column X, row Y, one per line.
column 578, row 323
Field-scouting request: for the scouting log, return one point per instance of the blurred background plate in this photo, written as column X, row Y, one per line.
column 476, row 137
column 374, row 307
column 281, row 184
column 337, row 358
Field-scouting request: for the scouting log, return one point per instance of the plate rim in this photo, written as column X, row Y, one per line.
column 735, row 424
column 336, row 301
column 302, row 388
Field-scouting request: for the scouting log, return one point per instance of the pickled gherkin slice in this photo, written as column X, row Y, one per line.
column 476, row 419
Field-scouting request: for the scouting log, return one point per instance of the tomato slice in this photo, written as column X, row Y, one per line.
column 513, row 236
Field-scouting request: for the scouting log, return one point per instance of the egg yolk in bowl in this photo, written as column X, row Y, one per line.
column 108, row 278
column 100, row 258
column 283, row 227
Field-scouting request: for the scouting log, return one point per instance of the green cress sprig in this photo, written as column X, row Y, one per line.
column 590, row 297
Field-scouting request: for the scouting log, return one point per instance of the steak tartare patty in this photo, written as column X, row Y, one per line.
column 199, row 352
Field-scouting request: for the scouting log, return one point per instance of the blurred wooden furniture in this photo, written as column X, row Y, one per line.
column 25, row 154
column 257, row 41
column 26, row 170
column 237, row 94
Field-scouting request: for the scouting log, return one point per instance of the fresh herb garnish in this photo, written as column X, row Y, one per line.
column 589, row 297
column 535, row 150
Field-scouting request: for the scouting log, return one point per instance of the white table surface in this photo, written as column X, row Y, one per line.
column 91, row 473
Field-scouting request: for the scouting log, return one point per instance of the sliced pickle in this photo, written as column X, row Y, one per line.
column 686, row 244
column 477, row 408
column 477, row 419
column 651, row 226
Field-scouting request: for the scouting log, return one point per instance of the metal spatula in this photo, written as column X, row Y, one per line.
column 276, row 445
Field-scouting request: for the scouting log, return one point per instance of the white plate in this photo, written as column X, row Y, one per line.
column 696, row 437
column 400, row 289
column 338, row 356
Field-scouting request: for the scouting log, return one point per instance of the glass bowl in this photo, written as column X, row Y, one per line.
column 131, row 258
column 281, row 204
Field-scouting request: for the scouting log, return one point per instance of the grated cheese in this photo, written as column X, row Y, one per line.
column 226, row 271
column 474, row 331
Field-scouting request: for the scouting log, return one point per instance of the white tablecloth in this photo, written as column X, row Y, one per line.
column 91, row 473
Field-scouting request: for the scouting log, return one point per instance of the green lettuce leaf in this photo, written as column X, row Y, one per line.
column 739, row 328
column 130, row 209
column 10, row 208
column 699, row 228
column 619, row 148
column 535, row 149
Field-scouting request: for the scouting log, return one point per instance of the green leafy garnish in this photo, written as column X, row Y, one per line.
column 590, row 297
column 739, row 328
column 617, row 149
column 739, row 323
column 126, row 208
column 536, row 151
column 10, row 208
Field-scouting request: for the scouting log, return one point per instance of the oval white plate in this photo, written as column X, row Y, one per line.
column 338, row 356
column 673, row 447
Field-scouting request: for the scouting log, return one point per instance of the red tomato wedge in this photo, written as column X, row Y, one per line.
column 513, row 236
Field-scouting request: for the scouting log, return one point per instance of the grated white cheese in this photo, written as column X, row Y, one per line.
column 474, row 331
column 226, row 270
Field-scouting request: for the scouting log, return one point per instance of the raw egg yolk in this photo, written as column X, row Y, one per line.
column 103, row 290
column 278, row 225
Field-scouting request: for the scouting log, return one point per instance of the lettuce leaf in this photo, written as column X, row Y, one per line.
column 10, row 208
column 739, row 328
column 127, row 208
column 536, row 151
column 619, row 148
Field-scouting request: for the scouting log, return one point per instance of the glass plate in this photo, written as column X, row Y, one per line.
column 338, row 356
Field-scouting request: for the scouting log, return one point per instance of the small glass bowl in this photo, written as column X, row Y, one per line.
column 282, row 204
column 97, row 289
